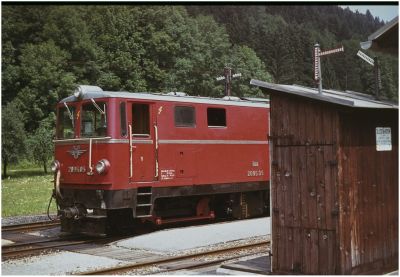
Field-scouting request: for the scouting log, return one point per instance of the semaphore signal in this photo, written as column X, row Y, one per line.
column 333, row 51
column 317, row 63
column 377, row 71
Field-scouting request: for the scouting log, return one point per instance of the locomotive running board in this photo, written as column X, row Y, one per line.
column 160, row 221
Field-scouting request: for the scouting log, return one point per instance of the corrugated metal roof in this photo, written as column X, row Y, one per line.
column 344, row 98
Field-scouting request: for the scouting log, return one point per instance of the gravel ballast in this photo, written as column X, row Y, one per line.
column 60, row 263
column 25, row 219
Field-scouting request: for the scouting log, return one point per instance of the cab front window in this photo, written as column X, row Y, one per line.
column 66, row 122
column 94, row 119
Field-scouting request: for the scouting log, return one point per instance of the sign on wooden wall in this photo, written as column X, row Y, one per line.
column 383, row 139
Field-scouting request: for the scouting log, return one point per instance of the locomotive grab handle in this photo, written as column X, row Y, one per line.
column 156, row 139
column 130, row 151
column 90, row 158
column 57, row 184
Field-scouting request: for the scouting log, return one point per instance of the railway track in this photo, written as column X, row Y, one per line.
column 34, row 246
column 23, row 249
column 30, row 226
column 188, row 261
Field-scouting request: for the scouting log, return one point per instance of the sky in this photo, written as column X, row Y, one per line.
column 385, row 13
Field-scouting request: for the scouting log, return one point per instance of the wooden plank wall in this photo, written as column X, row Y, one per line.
column 334, row 197
column 368, row 192
column 304, row 185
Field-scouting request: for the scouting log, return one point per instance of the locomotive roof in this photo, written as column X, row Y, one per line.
column 173, row 97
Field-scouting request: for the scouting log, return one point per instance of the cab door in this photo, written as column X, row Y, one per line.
column 142, row 142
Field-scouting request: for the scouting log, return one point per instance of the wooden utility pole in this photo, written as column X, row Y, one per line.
column 228, row 79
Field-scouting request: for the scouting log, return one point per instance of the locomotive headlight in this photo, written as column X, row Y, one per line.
column 102, row 166
column 78, row 92
column 55, row 166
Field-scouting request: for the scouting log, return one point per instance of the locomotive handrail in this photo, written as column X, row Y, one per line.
column 90, row 158
column 156, row 141
column 130, row 151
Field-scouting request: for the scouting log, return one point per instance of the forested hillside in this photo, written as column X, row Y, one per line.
column 283, row 38
column 48, row 49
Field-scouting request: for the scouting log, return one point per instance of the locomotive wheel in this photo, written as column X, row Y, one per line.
column 203, row 207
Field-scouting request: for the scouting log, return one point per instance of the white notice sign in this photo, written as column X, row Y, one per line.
column 383, row 139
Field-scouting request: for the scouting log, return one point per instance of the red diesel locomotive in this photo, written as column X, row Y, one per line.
column 125, row 157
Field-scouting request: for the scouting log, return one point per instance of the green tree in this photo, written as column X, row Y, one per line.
column 10, row 72
column 45, row 81
column 115, row 29
column 195, row 70
column 67, row 27
column 13, row 137
column 40, row 143
column 245, row 61
column 389, row 77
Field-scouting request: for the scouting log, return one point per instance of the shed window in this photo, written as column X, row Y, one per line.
column 216, row 117
column 185, row 116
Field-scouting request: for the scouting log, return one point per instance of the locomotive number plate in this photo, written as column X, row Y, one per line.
column 76, row 169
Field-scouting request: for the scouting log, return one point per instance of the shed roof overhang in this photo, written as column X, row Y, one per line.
column 385, row 39
column 345, row 98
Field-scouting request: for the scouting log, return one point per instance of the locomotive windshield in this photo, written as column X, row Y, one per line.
column 94, row 119
column 66, row 117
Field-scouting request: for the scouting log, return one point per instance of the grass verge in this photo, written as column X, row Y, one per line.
column 26, row 192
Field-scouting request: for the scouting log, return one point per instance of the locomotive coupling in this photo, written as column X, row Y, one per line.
column 74, row 212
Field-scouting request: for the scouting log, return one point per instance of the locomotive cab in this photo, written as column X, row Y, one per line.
column 88, row 162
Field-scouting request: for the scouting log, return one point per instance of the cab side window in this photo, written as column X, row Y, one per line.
column 185, row 116
column 216, row 117
column 140, row 120
column 122, row 111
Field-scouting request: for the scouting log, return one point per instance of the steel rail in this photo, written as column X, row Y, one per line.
column 29, row 226
column 202, row 264
column 132, row 266
column 28, row 243
column 31, row 248
column 24, row 248
column 20, row 249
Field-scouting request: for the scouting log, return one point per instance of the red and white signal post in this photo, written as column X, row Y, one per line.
column 317, row 63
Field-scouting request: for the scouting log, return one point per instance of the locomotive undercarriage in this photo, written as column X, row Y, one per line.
column 115, row 211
